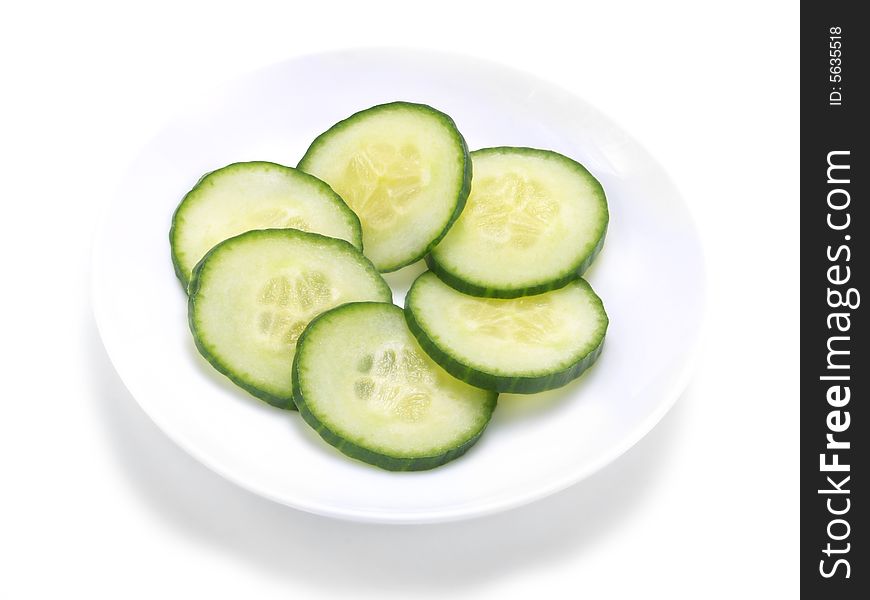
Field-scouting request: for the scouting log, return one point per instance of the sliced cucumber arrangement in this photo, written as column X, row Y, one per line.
column 534, row 221
column 254, row 195
column 520, row 345
column 404, row 169
column 363, row 383
column 252, row 295
column 282, row 301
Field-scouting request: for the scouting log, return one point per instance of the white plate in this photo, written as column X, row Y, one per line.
column 650, row 276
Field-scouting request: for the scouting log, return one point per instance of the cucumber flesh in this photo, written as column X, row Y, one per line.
column 520, row 345
column 404, row 169
column 533, row 222
column 365, row 385
column 255, row 195
column 252, row 296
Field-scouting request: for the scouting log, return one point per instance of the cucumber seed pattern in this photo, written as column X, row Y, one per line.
column 277, row 218
column 526, row 320
column 287, row 305
column 395, row 382
column 381, row 181
column 510, row 209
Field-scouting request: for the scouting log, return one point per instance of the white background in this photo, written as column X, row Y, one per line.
column 97, row 502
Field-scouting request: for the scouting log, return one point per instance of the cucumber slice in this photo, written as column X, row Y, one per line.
column 252, row 295
column 363, row 383
column 520, row 345
column 534, row 221
column 254, row 195
column 404, row 169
